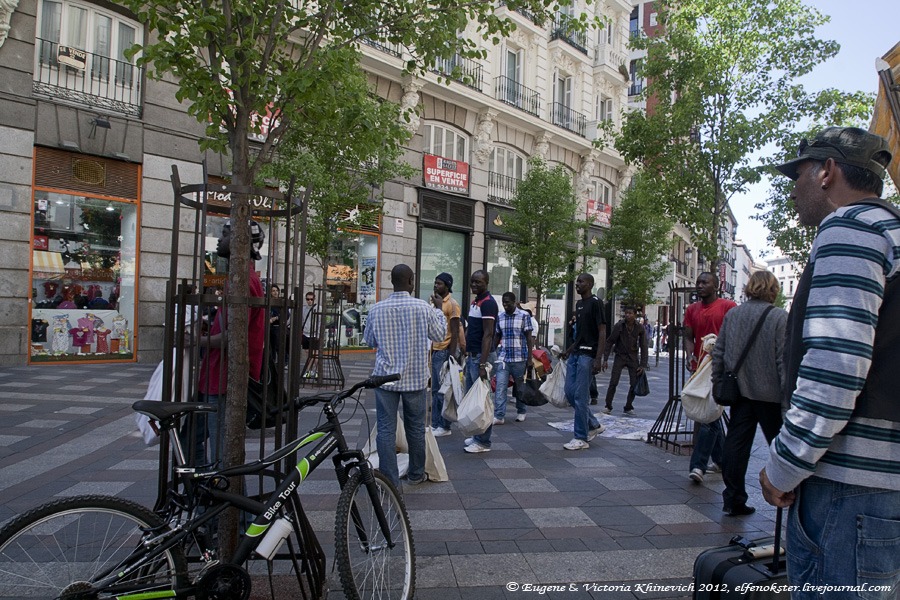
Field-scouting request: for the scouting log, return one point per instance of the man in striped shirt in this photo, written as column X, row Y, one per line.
column 399, row 328
column 836, row 461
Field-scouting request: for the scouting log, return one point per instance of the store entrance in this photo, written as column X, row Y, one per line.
column 443, row 251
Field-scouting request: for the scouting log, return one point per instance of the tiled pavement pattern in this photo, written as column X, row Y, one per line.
column 528, row 512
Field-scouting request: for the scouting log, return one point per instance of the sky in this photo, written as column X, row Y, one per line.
column 865, row 29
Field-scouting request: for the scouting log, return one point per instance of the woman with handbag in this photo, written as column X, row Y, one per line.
column 747, row 375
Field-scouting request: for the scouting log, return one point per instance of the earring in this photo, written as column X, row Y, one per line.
column 824, row 187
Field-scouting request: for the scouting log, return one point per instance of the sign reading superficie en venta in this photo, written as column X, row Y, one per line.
column 445, row 174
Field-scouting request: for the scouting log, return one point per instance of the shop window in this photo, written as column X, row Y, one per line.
column 499, row 267
column 444, row 252
column 352, row 279
column 84, row 274
column 445, row 142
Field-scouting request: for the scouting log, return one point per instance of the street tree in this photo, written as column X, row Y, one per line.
column 721, row 84
column 244, row 67
column 545, row 228
column 829, row 107
column 638, row 243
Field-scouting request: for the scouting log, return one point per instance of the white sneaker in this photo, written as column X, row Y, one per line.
column 499, row 421
column 607, row 410
column 630, row 413
column 469, row 441
column 592, row 433
column 520, row 417
column 475, row 448
column 696, row 475
column 714, row 468
column 575, row 444
column 440, row 432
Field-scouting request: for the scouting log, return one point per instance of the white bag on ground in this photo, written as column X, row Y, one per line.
column 555, row 386
column 155, row 392
column 434, row 462
column 451, row 387
column 696, row 396
column 476, row 411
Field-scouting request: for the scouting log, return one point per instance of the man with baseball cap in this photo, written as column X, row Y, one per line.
column 443, row 350
column 836, row 460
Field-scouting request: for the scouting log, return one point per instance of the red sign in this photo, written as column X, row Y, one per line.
column 599, row 212
column 722, row 276
column 445, row 174
column 41, row 242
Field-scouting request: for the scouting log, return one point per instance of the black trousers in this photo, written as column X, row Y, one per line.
column 744, row 417
column 622, row 362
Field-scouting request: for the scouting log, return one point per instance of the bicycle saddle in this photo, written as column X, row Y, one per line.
column 161, row 411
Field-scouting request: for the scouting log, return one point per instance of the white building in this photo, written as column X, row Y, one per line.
column 788, row 275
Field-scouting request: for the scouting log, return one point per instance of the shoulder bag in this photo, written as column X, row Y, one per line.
column 726, row 391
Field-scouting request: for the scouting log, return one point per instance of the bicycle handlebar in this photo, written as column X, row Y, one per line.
column 372, row 382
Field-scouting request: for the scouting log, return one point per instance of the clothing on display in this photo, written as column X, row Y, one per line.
column 39, row 330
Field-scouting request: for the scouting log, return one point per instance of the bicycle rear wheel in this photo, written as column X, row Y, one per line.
column 367, row 566
column 59, row 548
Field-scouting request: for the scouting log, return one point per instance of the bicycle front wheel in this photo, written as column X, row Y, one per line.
column 61, row 548
column 368, row 567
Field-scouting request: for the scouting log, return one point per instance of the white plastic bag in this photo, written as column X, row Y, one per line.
column 451, row 387
column 696, row 396
column 476, row 411
column 555, row 386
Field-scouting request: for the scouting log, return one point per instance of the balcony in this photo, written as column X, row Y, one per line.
column 608, row 57
column 97, row 81
column 568, row 119
column 635, row 89
column 392, row 49
column 501, row 188
column 525, row 13
column 565, row 31
column 465, row 71
column 515, row 94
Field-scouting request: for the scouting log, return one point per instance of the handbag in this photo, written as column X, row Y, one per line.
column 509, row 383
column 530, row 393
column 726, row 391
column 696, row 396
column 641, row 386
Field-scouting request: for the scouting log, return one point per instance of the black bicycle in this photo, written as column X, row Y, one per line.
column 103, row 547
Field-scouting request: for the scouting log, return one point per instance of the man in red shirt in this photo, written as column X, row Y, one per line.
column 214, row 368
column 700, row 319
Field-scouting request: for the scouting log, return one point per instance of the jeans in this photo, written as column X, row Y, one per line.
column 438, row 358
column 622, row 362
column 710, row 443
column 745, row 415
column 504, row 370
column 206, row 423
column 386, row 405
column 843, row 535
column 579, row 372
column 483, row 439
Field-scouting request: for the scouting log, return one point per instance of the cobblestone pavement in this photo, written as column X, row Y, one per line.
column 529, row 512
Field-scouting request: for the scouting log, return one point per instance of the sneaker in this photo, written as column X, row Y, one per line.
column 607, row 410
column 696, row 475
column 576, row 444
column 741, row 511
column 714, row 468
column 475, row 448
column 469, row 441
column 630, row 413
column 593, row 401
column 520, row 417
column 592, row 433
column 499, row 421
column 417, row 481
column 440, row 432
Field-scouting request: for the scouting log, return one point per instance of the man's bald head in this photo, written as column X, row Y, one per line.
column 403, row 279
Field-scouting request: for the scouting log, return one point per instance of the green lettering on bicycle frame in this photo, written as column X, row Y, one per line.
column 148, row 595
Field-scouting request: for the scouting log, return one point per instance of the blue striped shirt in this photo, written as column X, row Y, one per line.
column 513, row 328
column 401, row 329
column 855, row 253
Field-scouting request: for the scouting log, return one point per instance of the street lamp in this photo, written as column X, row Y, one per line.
column 688, row 254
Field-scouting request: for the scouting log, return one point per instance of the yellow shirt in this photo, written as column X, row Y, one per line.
column 451, row 311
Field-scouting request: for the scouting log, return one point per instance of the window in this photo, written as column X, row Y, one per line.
column 506, row 162
column 445, row 142
column 600, row 192
column 637, row 83
column 633, row 24
column 604, row 108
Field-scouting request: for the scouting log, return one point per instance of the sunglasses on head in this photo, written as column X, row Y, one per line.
column 805, row 144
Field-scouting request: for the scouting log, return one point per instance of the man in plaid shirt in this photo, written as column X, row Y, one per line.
column 400, row 329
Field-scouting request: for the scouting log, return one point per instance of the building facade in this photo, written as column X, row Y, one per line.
column 90, row 142
column 788, row 275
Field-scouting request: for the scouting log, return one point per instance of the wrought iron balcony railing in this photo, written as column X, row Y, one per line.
column 501, row 188
column 392, row 49
column 467, row 72
column 515, row 94
column 565, row 117
column 635, row 89
column 87, row 78
column 525, row 13
column 564, row 30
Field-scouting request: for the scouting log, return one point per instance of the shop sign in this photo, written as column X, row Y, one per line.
column 447, row 175
column 398, row 226
column 224, row 199
column 72, row 57
column 599, row 212
column 41, row 242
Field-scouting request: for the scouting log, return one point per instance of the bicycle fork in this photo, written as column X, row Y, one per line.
column 355, row 458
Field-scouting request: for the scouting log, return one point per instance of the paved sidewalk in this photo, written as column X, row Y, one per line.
column 528, row 513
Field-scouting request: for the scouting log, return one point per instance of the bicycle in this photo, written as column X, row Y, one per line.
column 103, row 547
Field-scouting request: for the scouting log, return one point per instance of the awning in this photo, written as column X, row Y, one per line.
column 47, row 265
column 886, row 119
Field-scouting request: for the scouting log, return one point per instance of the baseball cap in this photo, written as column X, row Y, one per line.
column 845, row 145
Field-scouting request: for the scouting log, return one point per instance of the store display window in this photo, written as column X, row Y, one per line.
column 352, row 280
column 500, row 268
column 83, row 278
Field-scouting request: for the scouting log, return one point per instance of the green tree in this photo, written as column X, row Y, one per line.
column 720, row 86
column 545, row 228
column 638, row 243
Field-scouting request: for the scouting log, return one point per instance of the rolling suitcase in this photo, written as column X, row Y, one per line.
column 743, row 569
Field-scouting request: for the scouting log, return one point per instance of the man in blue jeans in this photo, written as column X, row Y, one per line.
column 585, row 357
column 399, row 328
column 442, row 351
column 514, row 330
column 480, row 345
